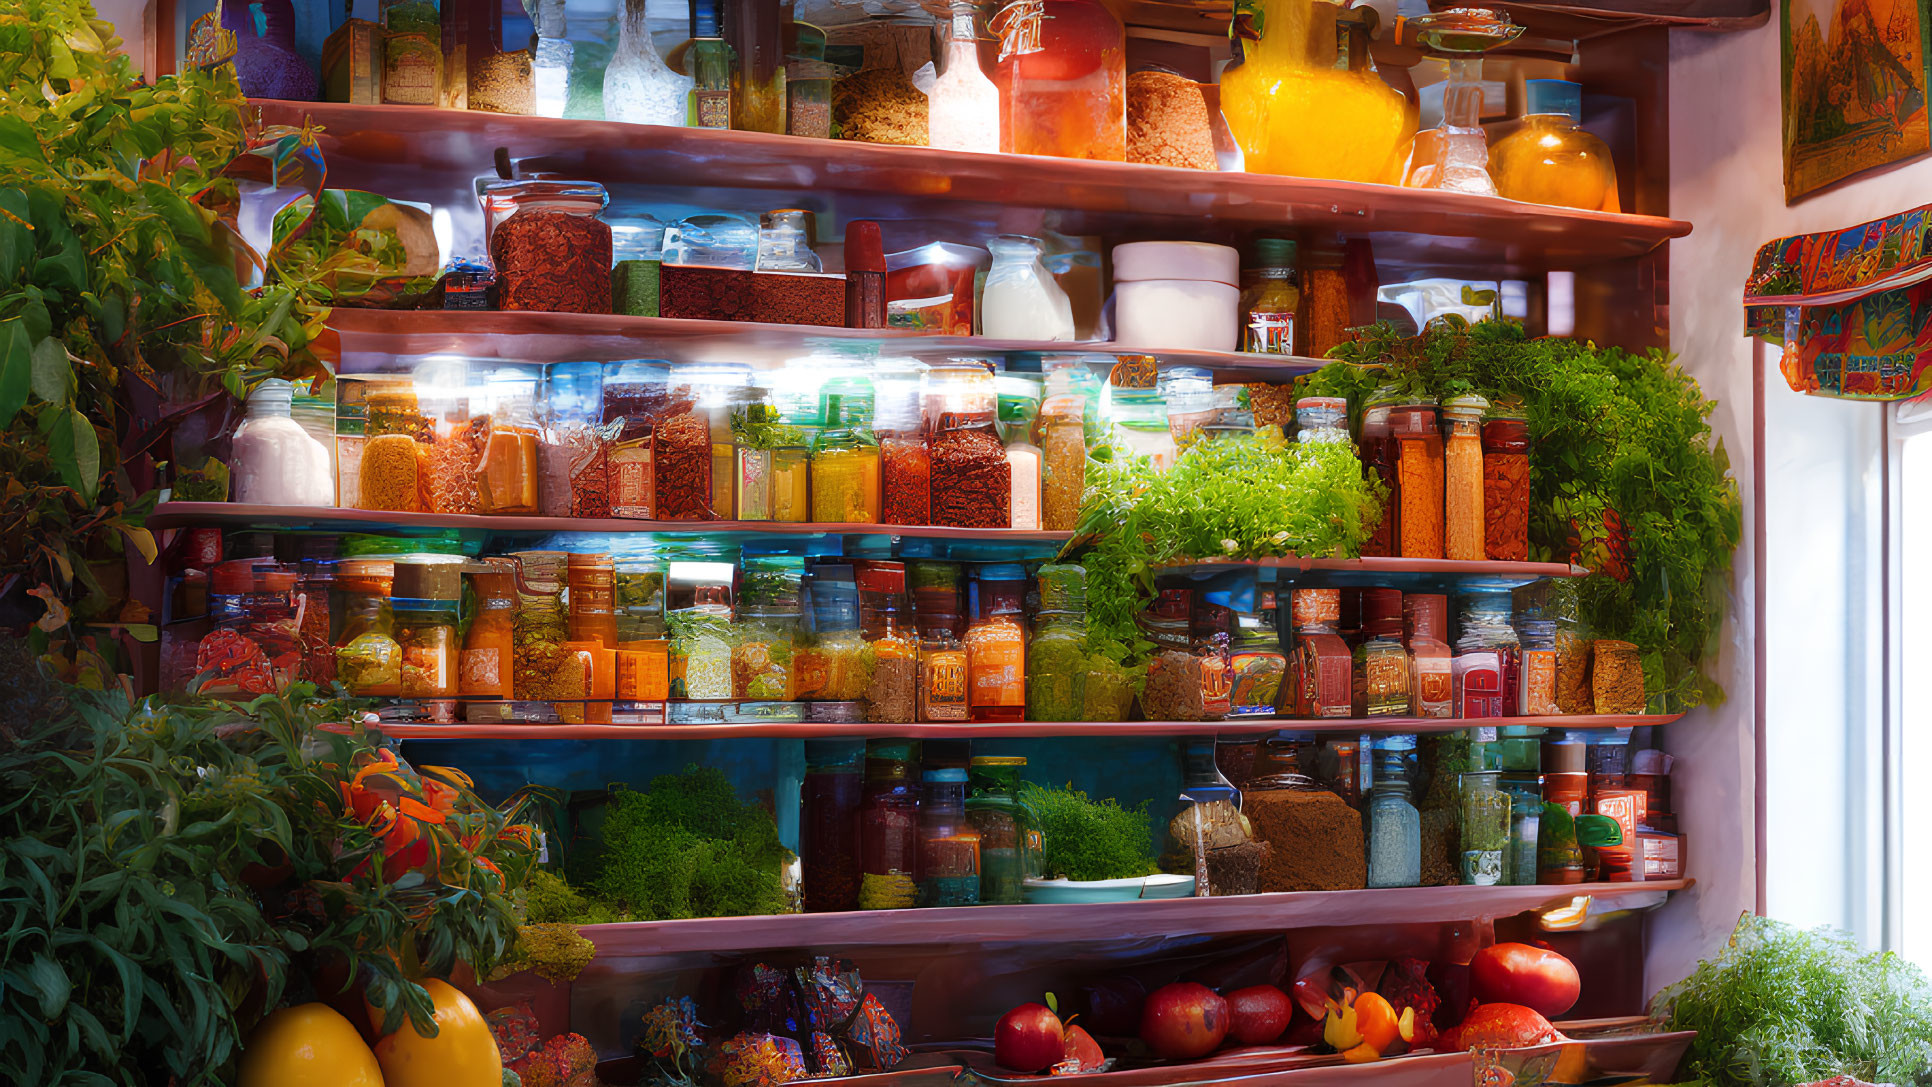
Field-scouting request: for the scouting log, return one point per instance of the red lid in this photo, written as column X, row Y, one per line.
column 234, row 577
column 864, row 249
column 879, row 576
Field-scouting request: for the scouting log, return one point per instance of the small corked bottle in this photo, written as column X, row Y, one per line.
column 865, row 272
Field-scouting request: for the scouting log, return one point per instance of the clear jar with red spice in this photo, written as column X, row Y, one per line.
column 972, row 481
column 905, row 464
column 1506, row 487
column 550, row 248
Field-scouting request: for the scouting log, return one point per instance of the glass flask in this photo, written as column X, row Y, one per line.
column 756, row 34
column 1062, row 79
column 639, row 88
column 963, row 111
column 1550, row 159
column 1020, row 300
column 948, row 842
column 1393, row 824
column 1304, row 99
column 550, row 64
column 709, row 62
column 1457, row 156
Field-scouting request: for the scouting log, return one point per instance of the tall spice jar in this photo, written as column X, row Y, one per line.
column 549, row 246
column 698, row 613
column 684, row 456
column 845, row 456
column 573, row 459
column 635, row 395
column 1382, row 675
column 1258, row 665
column 885, row 622
column 905, row 462
column 507, row 480
column 1419, row 475
column 1536, row 670
column 1209, row 629
column 949, row 863
column 996, row 646
column 1394, row 824
column 1462, row 456
column 1426, row 619
column 1173, row 689
column 993, row 807
column 763, row 652
column 1506, row 487
column 483, row 673
column 1270, row 298
column 943, row 671
column 1019, row 410
column 1323, row 663
column 643, row 650
column 1063, row 472
column 425, row 602
column 1324, row 303
column 758, row 431
column 1521, row 761
column 316, row 582
column 888, row 828
column 1056, row 673
column 546, row 671
column 972, row 481
column 828, row 824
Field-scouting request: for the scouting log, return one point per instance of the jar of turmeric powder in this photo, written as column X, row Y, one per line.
column 1419, row 480
column 1462, row 456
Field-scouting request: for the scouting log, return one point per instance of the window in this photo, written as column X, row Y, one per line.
column 1909, row 823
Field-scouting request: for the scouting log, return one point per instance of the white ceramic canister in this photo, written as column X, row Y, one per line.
column 1177, row 296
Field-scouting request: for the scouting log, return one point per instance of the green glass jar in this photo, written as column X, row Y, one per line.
column 1056, row 658
column 994, row 809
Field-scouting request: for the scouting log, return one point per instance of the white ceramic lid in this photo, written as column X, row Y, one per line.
column 1177, row 260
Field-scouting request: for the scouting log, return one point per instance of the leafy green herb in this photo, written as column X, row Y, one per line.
column 690, row 848
column 1085, row 839
column 761, row 426
column 1779, row 1005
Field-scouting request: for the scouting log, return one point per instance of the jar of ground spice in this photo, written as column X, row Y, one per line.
column 1314, row 836
column 550, row 248
column 971, row 479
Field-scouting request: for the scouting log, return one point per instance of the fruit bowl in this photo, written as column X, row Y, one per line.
column 1065, row 891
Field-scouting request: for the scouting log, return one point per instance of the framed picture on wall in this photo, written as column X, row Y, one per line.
column 1854, row 85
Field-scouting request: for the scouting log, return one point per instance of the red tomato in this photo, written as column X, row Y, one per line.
column 1499, row 1026
column 1534, row 977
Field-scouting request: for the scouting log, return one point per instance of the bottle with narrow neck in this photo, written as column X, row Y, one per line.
column 709, row 60
column 639, row 87
column 964, row 106
column 550, row 68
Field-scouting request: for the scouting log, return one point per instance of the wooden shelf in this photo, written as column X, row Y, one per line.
column 809, row 730
column 1116, row 922
column 918, row 193
column 373, row 334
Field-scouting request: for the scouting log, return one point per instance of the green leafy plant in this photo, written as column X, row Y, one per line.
column 1231, row 498
column 1084, row 839
column 1626, row 477
column 170, row 872
column 688, row 847
column 1780, row 1005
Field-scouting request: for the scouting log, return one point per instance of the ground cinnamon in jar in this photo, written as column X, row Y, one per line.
column 972, row 482
column 1315, row 838
column 1419, row 480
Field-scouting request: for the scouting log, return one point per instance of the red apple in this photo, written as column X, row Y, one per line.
column 1183, row 1021
column 1534, row 977
column 1083, row 1050
column 1258, row 1014
column 1029, row 1039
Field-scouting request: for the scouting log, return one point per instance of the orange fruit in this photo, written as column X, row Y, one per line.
column 308, row 1045
column 463, row 1054
column 1378, row 1023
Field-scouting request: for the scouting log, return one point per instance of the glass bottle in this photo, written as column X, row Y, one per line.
column 963, row 108
column 756, row 34
column 710, row 62
column 698, row 614
column 1551, row 159
column 1394, row 826
column 1258, row 664
column 828, row 824
column 996, row 646
column 1383, row 680
column 1419, row 475
column 784, row 242
column 1485, row 828
column 275, row 461
column 1521, row 762
column 637, row 256
column 550, row 64
column 905, row 458
column 639, row 88
column 1506, row 487
column 762, row 653
column 255, row 644
column 1304, row 99
column 993, row 807
column 426, row 596
column 368, row 660
column 892, row 695
column 1020, row 300
column 1425, row 617
column 948, row 842
column 1062, row 79
column 1269, row 303
column 943, row 672
column 888, row 828
column 1380, row 453
column 1462, row 459
column 484, row 669
column 1459, row 149
column 636, row 395
column 845, row 457
column 1019, row 409
column 1057, row 654
column 808, row 84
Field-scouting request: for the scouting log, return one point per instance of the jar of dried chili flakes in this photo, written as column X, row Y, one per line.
column 904, row 456
column 972, row 482
column 550, row 248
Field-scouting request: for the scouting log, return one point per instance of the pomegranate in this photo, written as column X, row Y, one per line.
column 1029, row 1038
column 1498, row 1026
column 1258, row 1014
column 1183, row 1021
column 1534, row 977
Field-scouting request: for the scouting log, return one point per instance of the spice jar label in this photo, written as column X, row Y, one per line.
column 942, row 695
column 631, row 481
column 480, row 670
column 713, row 108
column 1435, row 690
column 998, row 673
column 1538, row 683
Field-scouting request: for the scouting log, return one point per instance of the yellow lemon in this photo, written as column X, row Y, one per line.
column 463, row 1054
column 309, row 1045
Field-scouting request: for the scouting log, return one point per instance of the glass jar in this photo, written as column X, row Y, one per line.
column 412, row 53
column 1314, row 836
column 905, row 461
column 276, row 462
column 1462, row 457
column 828, row 824
column 639, row 88
column 254, row 645
column 425, row 602
column 1485, row 828
column 710, row 61
column 1020, row 300
column 996, row 646
column 972, row 482
column 1321, row 419
column 785, row 242
column 1551, row 159
column 845, row 456
column 572, row 459
column 1574, row 694
column 943, row 673
column 1258, row 664
column 592, row 581
column 368, row 660
column 506, row 474
column 1419, row 480
column 756, row 34
column 683, row 459
column 1062, row 79
column 963, row 107
column 836, row 666
column 1380, row 453
column 1063, row 454
column 643, row 648
column 497, row 80
column 1208, row 637
column 1174, row 688
column 1521, row 763
column 1425, row 617
column 315, row 583
column 1304, row 100
column 1188, row 392
column 762, row 656
column 1488, row 656
column 549, row 245
column 993, row 807
column 637, row 255
column 1139, row 426
column 948, row 842
column 885, row 622
column 1394, row 825
column 1536, row 675
column 544, row 670
column 484, row 669
column 808, row 84
column 791, row 494
column 1019, row 410
column 888, row 828
column 1383, row 681
column 1506, row 487
column 1056, row 657
column 636, row 396
column 757, row 432
column 1210, row 829
column 716, row 389
column 1270, row 299
column 398, row 440
column 698, row 616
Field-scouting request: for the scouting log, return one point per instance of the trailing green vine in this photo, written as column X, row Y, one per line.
column 1626, row 475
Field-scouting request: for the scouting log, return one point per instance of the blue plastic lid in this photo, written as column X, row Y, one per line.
column 704, row 19
column 1002, row 571
column 1553, row 96
column 950, row 774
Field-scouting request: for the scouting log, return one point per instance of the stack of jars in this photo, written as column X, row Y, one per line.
column 1457, row 473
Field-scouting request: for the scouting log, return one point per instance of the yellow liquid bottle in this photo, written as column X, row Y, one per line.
column 1550, row 160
